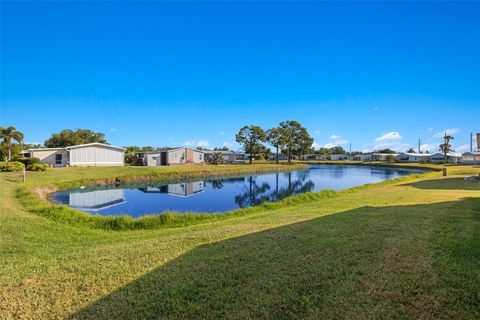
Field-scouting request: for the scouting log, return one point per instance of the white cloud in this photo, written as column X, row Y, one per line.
column 428, row 147
column 113, row 129
column 463, row 148
column 317, row 132
column 365, row 150
column 195, row 143
column 450, row 132
column 334, row 136
column 389, row 136
column 222, row 133
column 315, row 145
column 330, row 145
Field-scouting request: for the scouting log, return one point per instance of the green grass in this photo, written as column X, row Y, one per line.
column 408, row 248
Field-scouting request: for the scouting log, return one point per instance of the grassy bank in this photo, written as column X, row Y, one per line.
column 400, row 249
column 33, row 194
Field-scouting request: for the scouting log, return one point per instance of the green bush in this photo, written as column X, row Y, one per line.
column 11, row 166
column 28, row 161
column 39, row 167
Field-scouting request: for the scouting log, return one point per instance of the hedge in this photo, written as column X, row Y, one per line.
column 11, row 166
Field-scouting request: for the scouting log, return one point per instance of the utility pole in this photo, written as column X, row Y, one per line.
column 419, row 143
column 471, row 142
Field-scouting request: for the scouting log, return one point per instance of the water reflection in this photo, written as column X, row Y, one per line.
column 220, row 194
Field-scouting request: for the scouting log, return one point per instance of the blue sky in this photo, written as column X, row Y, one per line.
column 373, row 74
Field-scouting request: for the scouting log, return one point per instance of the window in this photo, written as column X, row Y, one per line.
column 58, row 159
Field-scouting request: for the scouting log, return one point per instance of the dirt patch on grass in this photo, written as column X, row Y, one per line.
column 43, row 192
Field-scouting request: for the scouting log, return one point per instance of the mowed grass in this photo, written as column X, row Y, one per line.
column 408, row 249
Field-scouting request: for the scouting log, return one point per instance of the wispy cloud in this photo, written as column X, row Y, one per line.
column 222, row 133
column 113, row 129
column 389, row 136
column 316, row 131
column 462, row 148
column 335, row 140
column 449, row 132
column 197, row 143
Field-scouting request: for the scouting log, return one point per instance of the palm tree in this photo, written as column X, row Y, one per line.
column 446, row 147
column 9, row 134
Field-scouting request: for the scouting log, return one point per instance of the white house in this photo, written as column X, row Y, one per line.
column 471, row 157
column 382, row 156
column 171, row 156
column 228, row 156
column 336, row 157
column 314, row 156
column 414, row 157
column 362, row 157
column 90, row 154
column 452, row 157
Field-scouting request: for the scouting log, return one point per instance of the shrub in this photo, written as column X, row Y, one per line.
column 217, row 158
column 11, row 166
column 28, row 162
column 39, row 167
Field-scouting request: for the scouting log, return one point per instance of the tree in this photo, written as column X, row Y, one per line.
column 217, row 158
column 410, row 150
column 295, row 139
column 69, row 137
column 446, row 147
column 221, row 149
column 274, row 138
column 337, row 150
column 323, row 151
column 251, row 137
column 8, row 135
column 385, row 151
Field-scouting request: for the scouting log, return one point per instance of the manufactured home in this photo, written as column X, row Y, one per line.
column 471, row 157
column 171, row 156
column 452, row 157
column 414, row 157
column 228, row 156
column 90, row 154
column 336, row 157
column 314, row 156
column 362, row 157
column 383, row 156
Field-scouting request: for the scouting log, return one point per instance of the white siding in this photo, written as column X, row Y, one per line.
column 96, row 156
column 176, row 156
column 198, row 157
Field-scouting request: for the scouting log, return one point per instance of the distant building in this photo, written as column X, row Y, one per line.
column 171, row 156
column 314, row 156
column 282, row 156
column 90, row 154
column 382, row 156
column 471, row 157
column 452, row 157
column 414, row 157
column 228, row 156
column 362, row 157
column 336, row 157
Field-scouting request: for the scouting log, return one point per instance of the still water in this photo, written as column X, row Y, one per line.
column 220, row 194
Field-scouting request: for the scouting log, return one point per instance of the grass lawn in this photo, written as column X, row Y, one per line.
column 409, row 249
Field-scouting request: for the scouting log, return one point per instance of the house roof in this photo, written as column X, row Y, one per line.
column 95, row 144
column 450, row 154
column 42, row 149
column 473, row 153
column 416, row 154
column 166, row 150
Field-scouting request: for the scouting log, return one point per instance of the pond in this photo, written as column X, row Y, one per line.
column 220, row 194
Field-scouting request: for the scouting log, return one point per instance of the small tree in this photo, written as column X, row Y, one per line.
column 274, row 137
column 446, row 147
column 8, row 135
column 390, row 158
column 410, row 150
column 251, row 137
column 217, row 158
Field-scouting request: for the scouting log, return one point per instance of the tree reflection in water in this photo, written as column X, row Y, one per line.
column 256, row 194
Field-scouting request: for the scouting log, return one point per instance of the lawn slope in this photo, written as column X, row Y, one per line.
column 408, row 249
